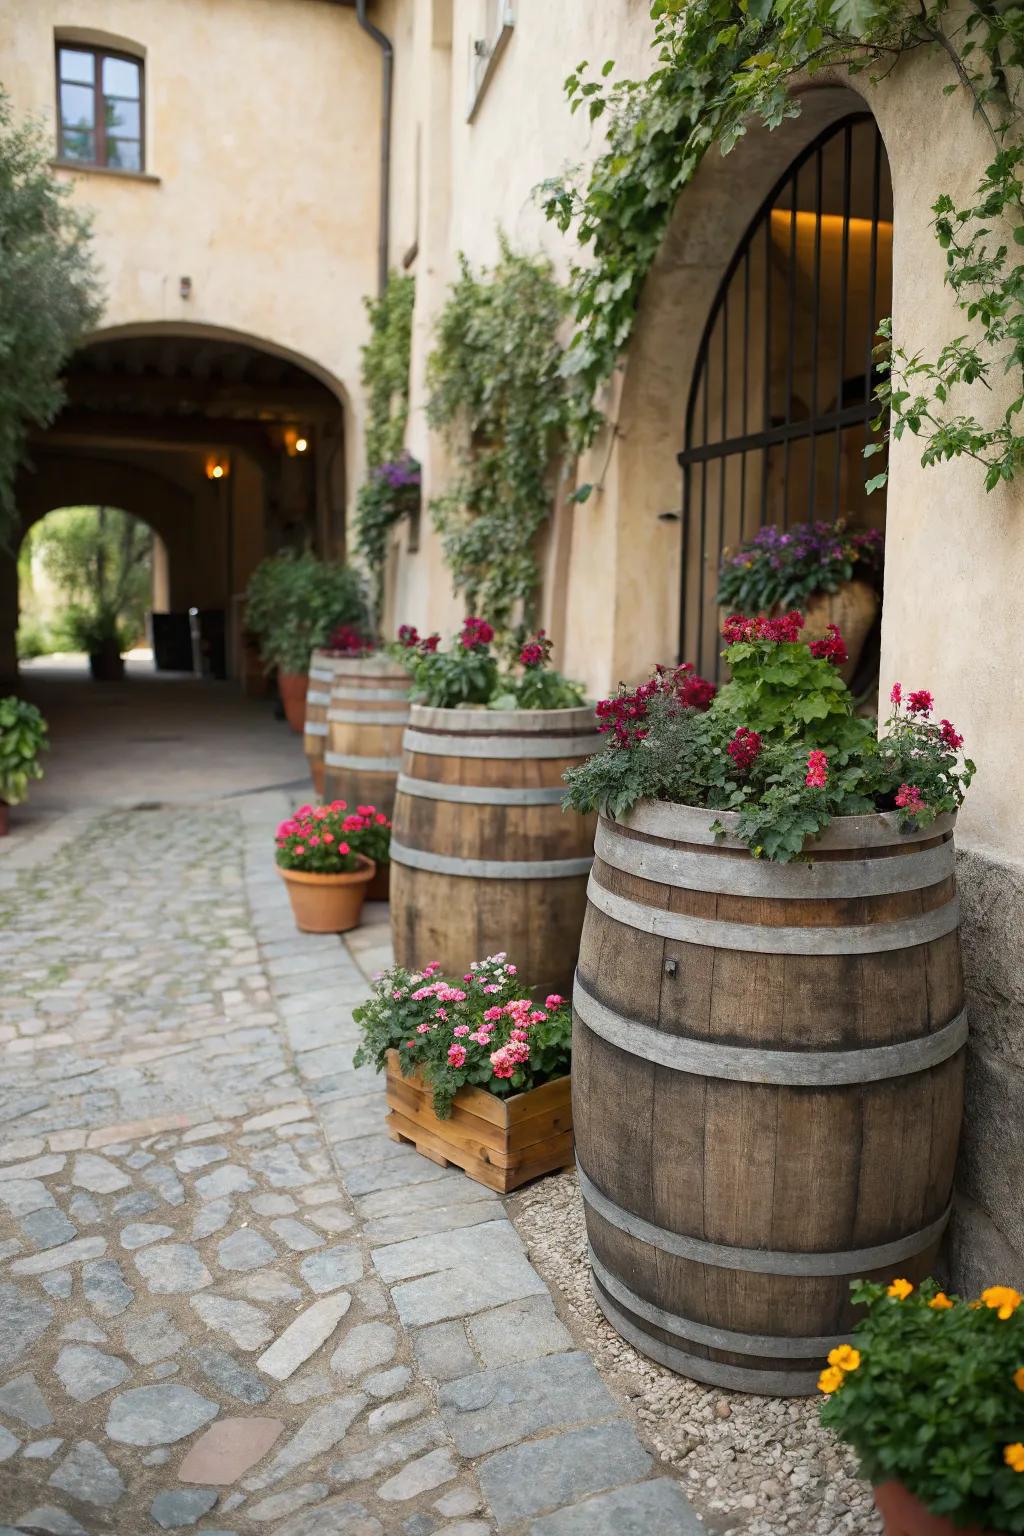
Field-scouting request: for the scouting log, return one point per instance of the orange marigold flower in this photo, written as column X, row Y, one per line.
column 1018, row 1379
column 940, row 1302
column 830, row 1380
column 1003, row 1300
column 845, row 1357
column 901, row 1289
column 1014, row 1456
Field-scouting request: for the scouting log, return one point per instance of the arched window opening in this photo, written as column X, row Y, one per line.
column 781, row 403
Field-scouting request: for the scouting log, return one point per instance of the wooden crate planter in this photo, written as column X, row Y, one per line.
column 499, row 1142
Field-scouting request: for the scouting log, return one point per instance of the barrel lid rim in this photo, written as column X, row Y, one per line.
column 480, row 720
column 691, row 823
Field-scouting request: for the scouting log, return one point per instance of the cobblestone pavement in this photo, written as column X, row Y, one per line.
column 228, row 1303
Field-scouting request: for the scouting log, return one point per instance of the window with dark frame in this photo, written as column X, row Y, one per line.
column 99, row 107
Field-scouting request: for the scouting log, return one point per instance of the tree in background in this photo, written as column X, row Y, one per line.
column 100, row 560
column 49, row 292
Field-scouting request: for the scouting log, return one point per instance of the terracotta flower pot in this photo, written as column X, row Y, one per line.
column 5, row 818
column 852, row 608
column 292, row 688
column 106, row 665
column 328, row 903
column 905, row 1515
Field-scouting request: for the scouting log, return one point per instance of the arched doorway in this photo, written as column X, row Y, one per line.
column 780, row 403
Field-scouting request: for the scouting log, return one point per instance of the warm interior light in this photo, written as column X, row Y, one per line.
column 301, row 445
column 216, row 472
column 216, row 468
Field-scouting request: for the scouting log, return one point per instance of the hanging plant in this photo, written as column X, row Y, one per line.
column 384, row 497
column 498, row 393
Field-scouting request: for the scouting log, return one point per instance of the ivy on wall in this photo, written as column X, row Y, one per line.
column 497, row 392
column 385, row 379
column 722, row 64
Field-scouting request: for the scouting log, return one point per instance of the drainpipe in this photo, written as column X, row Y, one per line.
column 387, row 82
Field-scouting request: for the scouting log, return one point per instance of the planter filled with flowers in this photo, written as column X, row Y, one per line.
column 477, row 1073
column 326, row 875
column 768, row 1008
column 930, row 1394
column 830, row 572
column 482, row 854
column 23, row 733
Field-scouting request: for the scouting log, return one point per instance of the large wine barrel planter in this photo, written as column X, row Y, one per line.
column 318, row 696
column 482, row 856
column 767, row 1074
column 367, row 713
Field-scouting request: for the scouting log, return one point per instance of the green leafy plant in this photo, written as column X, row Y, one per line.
column 931, row 1395
column 385, row 380
column 537, row 685
column 23, row 733
column 779, row 744
column 723, row 65
column 367, row 831
column 49, row 296
column 497, row 392
column 295, row 601
column 390, row 492
column 93, row 629
column 480, row 1031
column 783, row 567
column 465, row 674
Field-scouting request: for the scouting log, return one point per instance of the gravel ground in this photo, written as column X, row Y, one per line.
column 758, row 1466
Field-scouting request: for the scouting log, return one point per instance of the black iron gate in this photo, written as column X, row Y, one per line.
column 781, row 401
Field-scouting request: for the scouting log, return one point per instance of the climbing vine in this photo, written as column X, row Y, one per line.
column 723, row 64
column 497, row 392
column 384, row 496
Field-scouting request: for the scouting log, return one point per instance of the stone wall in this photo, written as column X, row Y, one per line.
column 986, row 1241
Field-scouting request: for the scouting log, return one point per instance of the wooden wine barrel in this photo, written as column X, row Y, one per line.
column 318, row 696
column 767, row 1073
column 367, row 714
column 482, row 856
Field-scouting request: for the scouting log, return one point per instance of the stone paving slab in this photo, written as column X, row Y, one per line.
column 228, row 1302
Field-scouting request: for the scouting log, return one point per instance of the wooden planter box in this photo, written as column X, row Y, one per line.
column 499, row 1142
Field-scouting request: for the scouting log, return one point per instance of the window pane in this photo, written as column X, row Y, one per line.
column 78, row 144
column 77, row 106
column 121, row 78
column 124, row 154
column 122, row 117
column 75, row 65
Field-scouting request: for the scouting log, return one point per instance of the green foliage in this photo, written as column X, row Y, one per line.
column 417, row 1014
column 448, row 679
column 34, row 639
column 22, row 739
column 49, row 292
column 933, row 1402
column 538, row 688
column 785, row 693
column 726, row 64
column 782, row 568
column 468, row 673
column 294, row 601
column 498, row 394
column 385, row 380
column 101, row 560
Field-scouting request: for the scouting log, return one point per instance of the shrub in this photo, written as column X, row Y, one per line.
column 480, row 1030
column 295, row 601
column 23, row 733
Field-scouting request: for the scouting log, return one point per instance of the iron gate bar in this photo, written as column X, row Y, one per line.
column 772, row 437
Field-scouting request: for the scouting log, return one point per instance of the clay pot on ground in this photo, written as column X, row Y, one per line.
column 904, row 1515
column 328, row 903
column 292, row 688
column 852, row 608
column 106, row 664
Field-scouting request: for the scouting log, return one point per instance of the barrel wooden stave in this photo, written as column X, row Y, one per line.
column 314, row 738
column 728, row 1161
column 363, row 748
column 460, row 917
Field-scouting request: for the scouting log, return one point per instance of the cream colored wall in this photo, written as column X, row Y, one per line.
column 262, row 134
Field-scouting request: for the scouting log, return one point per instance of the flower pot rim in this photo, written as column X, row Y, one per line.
column 364, row 871
column 903, row 1493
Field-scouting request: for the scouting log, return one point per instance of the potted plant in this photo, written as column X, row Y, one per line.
column 831, row 573
column 99, row 632
column 327, row 879
column 930, row 1394
column 293, row 603
column 22, row 739
column 481, row 853
column 477, row 1073
column 368, row 831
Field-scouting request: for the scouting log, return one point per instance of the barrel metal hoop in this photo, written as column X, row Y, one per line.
column 499, row 746
column 315, row 728
column 489, row 869
column 320, row 675
column 789, row 1348
column 760, row 1261
column 367, row 716
column 863, row 939
column 314, row 696
column 749, row 1064
column 477, row 794
column 745, row 876
column 716, row 1374
column 366, row 764
column 373, row 695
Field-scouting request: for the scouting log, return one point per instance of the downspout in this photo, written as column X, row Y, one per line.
column 387, row 87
